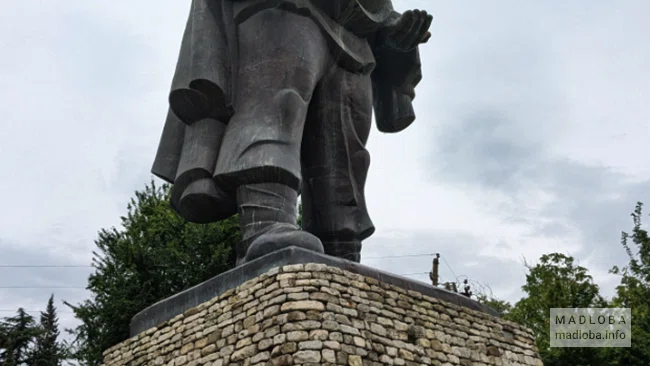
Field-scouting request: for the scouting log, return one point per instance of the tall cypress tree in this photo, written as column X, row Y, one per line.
column 47, row 350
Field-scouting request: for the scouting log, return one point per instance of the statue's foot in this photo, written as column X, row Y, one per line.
column 279, row 236
column 349, row 250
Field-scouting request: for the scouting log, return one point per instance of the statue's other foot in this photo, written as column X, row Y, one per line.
column 349, row 250
column 279, row 236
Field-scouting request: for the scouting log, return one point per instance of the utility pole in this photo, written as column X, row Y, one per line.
column 433, row 275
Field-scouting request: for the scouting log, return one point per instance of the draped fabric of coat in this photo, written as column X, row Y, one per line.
column 200, row 101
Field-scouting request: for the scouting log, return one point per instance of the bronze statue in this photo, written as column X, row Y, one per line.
column 272, row 99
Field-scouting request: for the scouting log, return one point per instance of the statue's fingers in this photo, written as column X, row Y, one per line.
column 426, row 37
column 414, row 34
column 424, row 31
column 411, row 33
column 407, row 17
column 422, row 34
column 404, row 21
column 427, row 23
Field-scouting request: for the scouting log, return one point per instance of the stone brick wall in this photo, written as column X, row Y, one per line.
column 315, row 314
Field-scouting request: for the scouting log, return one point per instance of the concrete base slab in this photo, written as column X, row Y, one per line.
column 166, row 309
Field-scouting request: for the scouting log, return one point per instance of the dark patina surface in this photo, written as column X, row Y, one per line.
column 273, row 99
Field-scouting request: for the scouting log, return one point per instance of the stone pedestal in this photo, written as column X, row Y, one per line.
column 300, row 308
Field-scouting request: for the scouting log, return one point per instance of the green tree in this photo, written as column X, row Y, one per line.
column 557, row 282
column 634, row 293
column 501, row 306
column 4, row 341
column 154, row 255
column 16, row 338
column 47, row 350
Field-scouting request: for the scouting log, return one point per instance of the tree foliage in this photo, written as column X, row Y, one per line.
column 47, row 349
column 503, row 307
column 17, row 335
column 634, row 292
column 25, row 342
column 157, row 254
column 556, row 282
column 154, row 255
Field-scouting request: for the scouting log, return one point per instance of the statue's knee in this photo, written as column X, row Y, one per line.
column 292, row 104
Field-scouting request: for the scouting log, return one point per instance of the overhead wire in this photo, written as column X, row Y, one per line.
column 448, row 266
column 90, row 266
column 43, row 266
column 42, row 287
column 35, row 311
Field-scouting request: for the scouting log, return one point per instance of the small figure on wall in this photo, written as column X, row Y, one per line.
column 272, row 99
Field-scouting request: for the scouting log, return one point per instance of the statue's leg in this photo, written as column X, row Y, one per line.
column 282, row 56
column 335, row 163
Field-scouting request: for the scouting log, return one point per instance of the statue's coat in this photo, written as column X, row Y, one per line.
column 200, row 101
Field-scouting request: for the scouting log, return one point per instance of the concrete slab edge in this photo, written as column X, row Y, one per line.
column 170, row 307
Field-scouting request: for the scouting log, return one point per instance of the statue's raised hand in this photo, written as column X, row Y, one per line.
column 407, row 31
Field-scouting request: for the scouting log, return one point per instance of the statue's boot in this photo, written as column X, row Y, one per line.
column 268, row 216
column 342, row 244
column 350, row 250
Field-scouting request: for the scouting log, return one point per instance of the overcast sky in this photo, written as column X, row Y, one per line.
column 531, row 137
